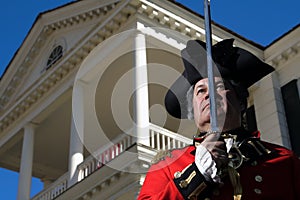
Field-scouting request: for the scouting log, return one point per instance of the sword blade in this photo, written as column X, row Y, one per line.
column 210, row 71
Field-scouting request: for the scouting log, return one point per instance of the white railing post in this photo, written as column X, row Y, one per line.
column 157, row 141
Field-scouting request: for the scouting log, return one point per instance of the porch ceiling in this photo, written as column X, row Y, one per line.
column 51, row 145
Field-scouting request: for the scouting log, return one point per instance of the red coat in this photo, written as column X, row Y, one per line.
column 273, row 178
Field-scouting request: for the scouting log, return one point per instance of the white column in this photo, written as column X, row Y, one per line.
column 26, row 163
column 141, row 90
column 75, row 154
column 269, row 110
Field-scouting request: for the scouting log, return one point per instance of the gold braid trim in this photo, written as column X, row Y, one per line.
column 161, row 155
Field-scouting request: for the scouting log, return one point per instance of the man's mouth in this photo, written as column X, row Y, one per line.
column 207, row 106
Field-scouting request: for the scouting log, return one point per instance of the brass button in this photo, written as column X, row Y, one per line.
column 197, row 144
column 177, row 174
column 193, row 197
column 254, row 163
column 258, row 178
column 257, row 191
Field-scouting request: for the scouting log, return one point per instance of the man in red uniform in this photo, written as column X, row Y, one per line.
column 233, row 164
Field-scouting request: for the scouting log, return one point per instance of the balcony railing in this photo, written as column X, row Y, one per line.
column 55, row 189
column 105, row 155
column 160, row 139
column 90, row 165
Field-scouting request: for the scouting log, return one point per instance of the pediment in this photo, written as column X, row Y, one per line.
column 67, row 26
column 51, row 54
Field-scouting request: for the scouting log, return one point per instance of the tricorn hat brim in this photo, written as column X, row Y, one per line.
column 230, row 63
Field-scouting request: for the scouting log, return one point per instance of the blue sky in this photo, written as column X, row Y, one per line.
column 261, row 21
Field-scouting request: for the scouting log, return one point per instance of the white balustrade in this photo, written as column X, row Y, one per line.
column 55, row 189
column 104, row 155
column 90, row 165
column 160, row 139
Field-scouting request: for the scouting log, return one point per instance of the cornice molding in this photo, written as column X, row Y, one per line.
column 174, row 21
column 104, row 185
column 289, row 53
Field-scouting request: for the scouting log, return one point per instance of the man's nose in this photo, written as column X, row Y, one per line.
column 217, row 95
column 206, row 95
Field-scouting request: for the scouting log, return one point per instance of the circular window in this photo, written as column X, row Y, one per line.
column 55, row 55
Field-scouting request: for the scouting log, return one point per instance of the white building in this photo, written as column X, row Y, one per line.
column 81, row 102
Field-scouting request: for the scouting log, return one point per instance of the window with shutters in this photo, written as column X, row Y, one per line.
column 290, row 95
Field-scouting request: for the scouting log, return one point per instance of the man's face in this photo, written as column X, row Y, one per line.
column 227, row 105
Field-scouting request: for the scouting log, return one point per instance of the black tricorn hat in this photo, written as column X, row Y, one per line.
column 232, row 63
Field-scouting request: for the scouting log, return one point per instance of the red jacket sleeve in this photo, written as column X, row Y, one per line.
column 158, row 185
column 161, row 183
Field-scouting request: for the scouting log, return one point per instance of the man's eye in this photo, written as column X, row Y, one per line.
column 220, row 86
column 200, row 91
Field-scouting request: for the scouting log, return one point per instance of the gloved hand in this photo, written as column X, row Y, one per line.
column 217, row 148
column 211, row 156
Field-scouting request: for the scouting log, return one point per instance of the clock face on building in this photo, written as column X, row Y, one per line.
column 55, row 55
